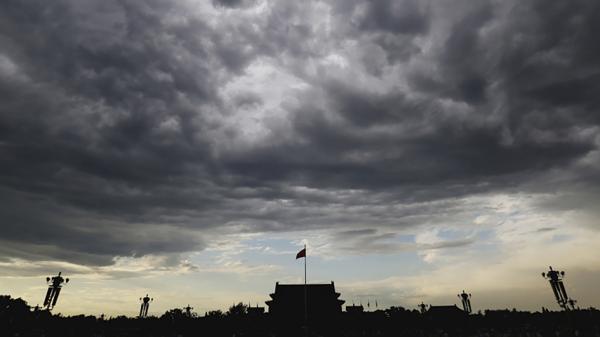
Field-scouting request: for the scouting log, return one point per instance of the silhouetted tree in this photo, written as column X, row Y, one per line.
column 394, row 311
column 174, row 314
column 237, row 309
column 13, row 306
column 214, row 314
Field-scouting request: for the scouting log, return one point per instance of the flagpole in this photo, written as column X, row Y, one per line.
column 305, row 291
column 305, row 265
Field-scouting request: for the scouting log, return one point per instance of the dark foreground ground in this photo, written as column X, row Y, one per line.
column 18, row 319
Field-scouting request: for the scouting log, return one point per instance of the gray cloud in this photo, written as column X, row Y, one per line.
column 228, row 3
column 114, row 134
column 370, row 241
column 399, row 17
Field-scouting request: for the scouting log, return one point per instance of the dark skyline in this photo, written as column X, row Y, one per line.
column 441, row 145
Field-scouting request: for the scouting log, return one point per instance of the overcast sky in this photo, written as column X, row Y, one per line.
column 188, row 149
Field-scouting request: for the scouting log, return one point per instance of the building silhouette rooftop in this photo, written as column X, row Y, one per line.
column 355, row 309
column 445, row 310
column 450, row 314
column 288, row 301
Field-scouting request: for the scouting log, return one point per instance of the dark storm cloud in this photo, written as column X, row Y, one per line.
column 398, row 17
column 228, row 3
column 103, row 126
column 54, row 231
column 114, row 138
column 462, row 60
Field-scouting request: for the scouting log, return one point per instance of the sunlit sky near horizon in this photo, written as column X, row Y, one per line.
column 189, row 149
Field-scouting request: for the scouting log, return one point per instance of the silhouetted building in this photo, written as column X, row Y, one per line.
column 17, row 319
column 445, row 313
column 256, row 311
column 288, row 301
column 355, row 309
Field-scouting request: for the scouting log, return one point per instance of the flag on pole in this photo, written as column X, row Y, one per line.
column 301, row 253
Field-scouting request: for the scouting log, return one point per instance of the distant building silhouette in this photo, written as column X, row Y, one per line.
column 445, row 310
column 445, row 314
column 355, row 309
column 17, row 319
column 256, row 311
column 288, row 301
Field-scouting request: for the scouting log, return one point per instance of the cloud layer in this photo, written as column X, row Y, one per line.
column 130, row 128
